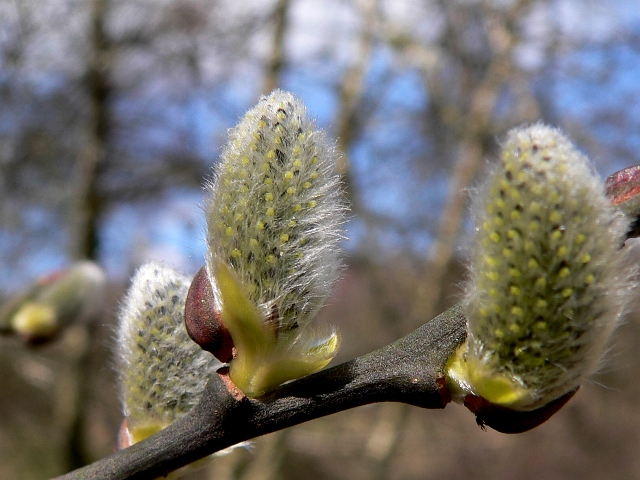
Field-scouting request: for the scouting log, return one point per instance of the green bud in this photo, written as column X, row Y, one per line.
column 62, row 298
column 547, row 280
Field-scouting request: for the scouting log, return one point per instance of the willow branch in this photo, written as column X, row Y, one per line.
column 410, row 370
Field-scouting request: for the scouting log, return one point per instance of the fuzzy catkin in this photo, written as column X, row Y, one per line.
column 162, row 371
column 75, row 295
column 274, row 212
column 547, row 284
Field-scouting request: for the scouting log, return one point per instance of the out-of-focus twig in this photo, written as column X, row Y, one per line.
column 92, row 156
column 275, row 61
column 352, row 86
column 475, row 129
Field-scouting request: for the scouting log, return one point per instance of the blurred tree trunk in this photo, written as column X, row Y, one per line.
column 475, row 127
column 473, row 124
column 87, row 211
column 352, row 89
column 91, row 158
column 275, row 62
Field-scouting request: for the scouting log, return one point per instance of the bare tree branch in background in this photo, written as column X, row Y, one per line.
column 85, row 222
column 352, row 85
column 275, row 62
column 93, row 153
column 474, row 125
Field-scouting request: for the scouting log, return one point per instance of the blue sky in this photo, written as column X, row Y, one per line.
column 589, row 84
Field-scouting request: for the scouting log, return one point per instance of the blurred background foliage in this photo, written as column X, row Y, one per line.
column 113, row 111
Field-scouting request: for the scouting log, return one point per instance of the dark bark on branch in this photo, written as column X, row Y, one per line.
column 410, row 370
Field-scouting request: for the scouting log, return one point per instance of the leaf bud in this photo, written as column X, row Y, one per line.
column 203, row 321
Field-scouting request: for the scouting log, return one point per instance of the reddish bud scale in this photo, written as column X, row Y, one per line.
column 624, row 185
column 124, row 437
column 506, row 420
column 49, row 278
column 623, row 190
column 202, row 319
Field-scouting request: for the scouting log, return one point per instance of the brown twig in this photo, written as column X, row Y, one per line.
column 276, row 57
column 410, row 370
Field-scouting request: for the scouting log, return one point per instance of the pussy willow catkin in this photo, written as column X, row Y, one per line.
column 274, row 216
column 547, row 279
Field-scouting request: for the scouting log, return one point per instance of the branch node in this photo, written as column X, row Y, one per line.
column 234, row 391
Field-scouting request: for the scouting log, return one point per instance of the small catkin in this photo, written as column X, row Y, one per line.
column 162, row 371
column 59, row 299
column 547, row 282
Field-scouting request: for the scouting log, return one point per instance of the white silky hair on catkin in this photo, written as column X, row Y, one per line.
column 548, row 282
column 275, row 212
column 162, row 371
